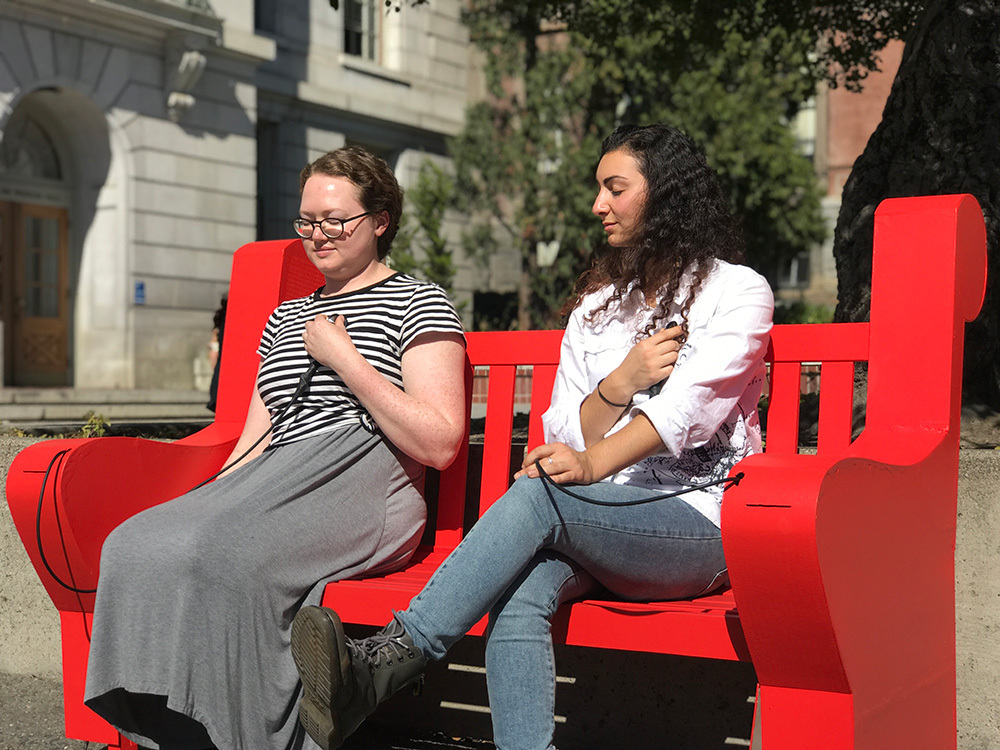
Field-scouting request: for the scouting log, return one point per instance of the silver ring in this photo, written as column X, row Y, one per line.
column 550, row 459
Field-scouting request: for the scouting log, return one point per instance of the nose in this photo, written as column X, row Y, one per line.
column 600, row 207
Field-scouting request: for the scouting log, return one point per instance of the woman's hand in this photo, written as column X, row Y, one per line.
column 563, row 464
column 647, row 363
column 328, row 342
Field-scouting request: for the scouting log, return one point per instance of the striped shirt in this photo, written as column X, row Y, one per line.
column 382, row 320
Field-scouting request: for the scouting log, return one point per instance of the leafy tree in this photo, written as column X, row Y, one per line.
column 936, row 137
column 421, row 247
column 931, row 139
column 734, row 95
column 526, row 157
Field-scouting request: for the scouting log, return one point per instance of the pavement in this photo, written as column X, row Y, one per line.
column 610, row 699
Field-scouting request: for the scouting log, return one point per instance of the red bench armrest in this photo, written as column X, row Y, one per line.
column 862, row 552
column 92, row 486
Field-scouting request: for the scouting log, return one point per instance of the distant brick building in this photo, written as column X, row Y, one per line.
column 834, row 134
column 143, row 141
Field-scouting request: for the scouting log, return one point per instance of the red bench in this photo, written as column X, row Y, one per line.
column 842, row 562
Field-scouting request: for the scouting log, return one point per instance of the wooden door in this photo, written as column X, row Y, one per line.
column 38, row 291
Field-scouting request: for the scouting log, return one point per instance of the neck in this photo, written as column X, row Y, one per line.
column 374, row 273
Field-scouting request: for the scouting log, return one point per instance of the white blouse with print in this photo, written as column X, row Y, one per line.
column 706, row 411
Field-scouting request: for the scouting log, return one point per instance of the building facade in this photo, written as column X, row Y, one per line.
column 143, row 141
column 834, row 133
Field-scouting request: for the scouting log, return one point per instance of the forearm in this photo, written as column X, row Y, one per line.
column 635, row 441
column 258, row 423
column 649, row 361
column 564, row 465
column 597, row 415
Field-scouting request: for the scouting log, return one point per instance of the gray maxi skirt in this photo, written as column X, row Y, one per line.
column 196, row 596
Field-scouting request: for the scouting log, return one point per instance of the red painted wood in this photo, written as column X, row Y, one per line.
column 496, row 445
column 842, row 564
column 542, row 379
column 836, row 406
column 783, row 408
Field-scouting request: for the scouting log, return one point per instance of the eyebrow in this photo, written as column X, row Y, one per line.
column 611, row 178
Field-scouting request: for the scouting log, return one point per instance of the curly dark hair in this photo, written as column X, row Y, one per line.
column 378, row 189
column 685, row 223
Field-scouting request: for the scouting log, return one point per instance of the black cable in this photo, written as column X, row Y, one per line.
column 38, row 527
column 304, row 381
column 728, row 481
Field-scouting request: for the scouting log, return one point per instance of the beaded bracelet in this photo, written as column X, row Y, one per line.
column 611, row 403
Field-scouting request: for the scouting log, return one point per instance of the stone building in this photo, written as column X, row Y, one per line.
column 143, row 141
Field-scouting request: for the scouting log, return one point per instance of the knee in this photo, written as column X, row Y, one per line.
column 133, row 543
column 526, row 500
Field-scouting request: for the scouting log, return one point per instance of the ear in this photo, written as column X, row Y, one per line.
column 381, row 223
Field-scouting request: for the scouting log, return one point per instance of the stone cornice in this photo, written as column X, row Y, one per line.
column 148, row 19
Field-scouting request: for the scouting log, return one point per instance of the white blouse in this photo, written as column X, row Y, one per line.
column 706, row 411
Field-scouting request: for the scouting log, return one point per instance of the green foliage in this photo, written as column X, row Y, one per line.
column 421, row 247
column 850, row 33
column 525, row 159
column 731, row 73
column 738, row 107
column 95, row 426
column 802, row 312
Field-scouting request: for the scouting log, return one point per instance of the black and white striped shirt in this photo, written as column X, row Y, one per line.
column 382, row 320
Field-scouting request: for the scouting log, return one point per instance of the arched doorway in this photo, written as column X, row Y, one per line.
column 35, row 259
column 63, row 237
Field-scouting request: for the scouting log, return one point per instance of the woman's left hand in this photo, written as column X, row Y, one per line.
column 563, row 464
column 328, row 342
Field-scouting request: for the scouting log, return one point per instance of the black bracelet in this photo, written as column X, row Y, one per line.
column 611, row 403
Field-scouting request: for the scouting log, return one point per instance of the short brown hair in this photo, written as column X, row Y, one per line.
column 378, row 189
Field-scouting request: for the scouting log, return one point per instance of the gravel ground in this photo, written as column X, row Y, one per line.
column 31, row 718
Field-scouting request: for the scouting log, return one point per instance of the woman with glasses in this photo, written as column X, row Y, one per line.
column 196, row 597
column 640, row 408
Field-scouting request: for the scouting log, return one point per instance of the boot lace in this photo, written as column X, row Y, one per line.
column 381, row 644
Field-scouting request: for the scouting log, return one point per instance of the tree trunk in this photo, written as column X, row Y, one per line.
column 940, row 134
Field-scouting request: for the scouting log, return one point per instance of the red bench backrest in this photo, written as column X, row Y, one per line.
column 895, row 379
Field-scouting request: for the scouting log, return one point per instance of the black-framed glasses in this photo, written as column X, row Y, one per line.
column 332, row 228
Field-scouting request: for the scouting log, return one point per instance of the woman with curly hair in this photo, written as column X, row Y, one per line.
column 661, row 368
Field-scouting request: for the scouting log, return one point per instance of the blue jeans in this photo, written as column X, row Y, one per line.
column 534, row 549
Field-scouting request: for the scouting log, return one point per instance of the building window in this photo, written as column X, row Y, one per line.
column 27, row 151
column 804, row 129
column 265, row 16
column 272, row 222
column 360, row 37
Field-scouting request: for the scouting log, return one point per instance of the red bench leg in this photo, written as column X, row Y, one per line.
column 755, row 743
column 794, row 719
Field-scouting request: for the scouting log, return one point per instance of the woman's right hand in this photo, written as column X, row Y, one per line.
column 647, row 363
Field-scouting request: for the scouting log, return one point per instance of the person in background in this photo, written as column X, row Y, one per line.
column 215, row 353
